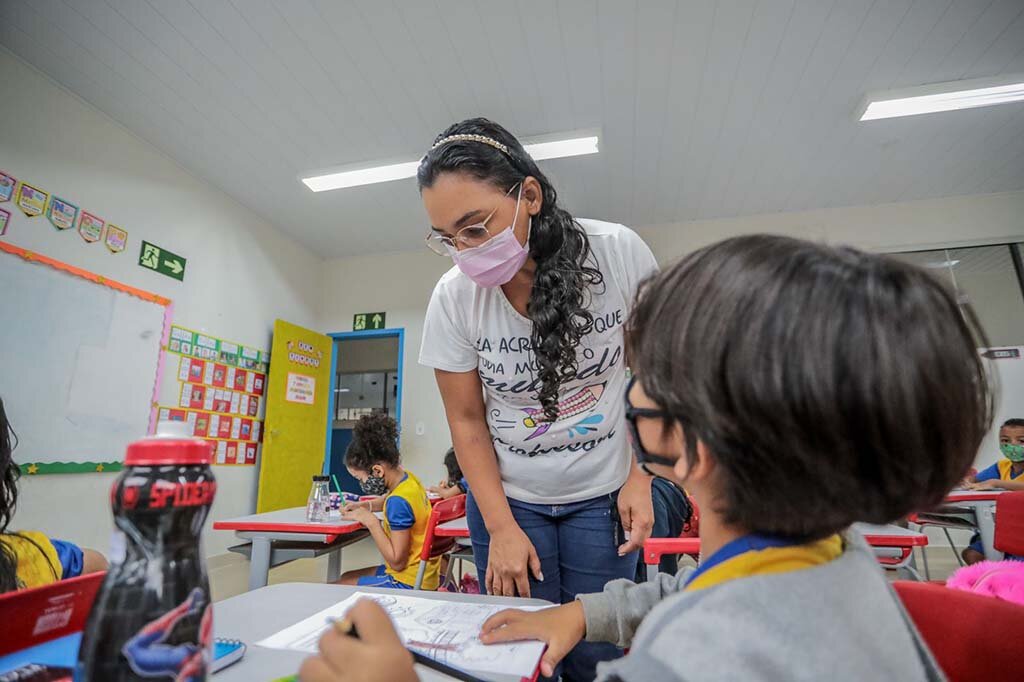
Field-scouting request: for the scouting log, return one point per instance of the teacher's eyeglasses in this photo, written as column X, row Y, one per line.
column 466, row 238
column 643, row 456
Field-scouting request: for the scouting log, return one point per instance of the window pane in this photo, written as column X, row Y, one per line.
column 983, row 276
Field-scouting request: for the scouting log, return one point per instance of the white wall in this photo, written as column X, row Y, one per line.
column 399, row 284
column 908, row 226
column 241, row 272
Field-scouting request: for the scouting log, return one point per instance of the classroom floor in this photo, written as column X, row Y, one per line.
column 229, row 573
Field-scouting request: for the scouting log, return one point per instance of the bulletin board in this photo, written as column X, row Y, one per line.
column 80, row 362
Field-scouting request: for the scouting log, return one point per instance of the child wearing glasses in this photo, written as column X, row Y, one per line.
column 793, row 388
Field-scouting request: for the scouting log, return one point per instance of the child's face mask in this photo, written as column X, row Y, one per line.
column 1012, row 452
column 373, row 485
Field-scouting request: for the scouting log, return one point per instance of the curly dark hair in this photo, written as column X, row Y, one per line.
column 829, row 385
column 9, row 473
column 451, row 464
column 566, row 268
column 374, row 441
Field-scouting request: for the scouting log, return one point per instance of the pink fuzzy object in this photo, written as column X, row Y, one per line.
column 1000, row 579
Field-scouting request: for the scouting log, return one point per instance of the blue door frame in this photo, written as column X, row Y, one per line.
column 369, row 334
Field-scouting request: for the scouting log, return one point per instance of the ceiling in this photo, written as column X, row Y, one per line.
column 706, row 109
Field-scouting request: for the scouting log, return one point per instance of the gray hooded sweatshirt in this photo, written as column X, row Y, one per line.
column 837, row 621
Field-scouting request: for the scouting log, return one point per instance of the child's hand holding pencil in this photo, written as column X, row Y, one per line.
column 375, row 655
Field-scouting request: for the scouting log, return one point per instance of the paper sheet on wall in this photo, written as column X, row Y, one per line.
column 444, row 630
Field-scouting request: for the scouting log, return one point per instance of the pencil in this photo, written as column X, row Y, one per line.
column 347, row 627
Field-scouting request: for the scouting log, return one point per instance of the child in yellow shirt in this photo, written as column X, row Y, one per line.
column 373, row 459
column 1006, row 474
column 30, row 558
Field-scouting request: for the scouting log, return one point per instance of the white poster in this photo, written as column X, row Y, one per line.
column 301, row 389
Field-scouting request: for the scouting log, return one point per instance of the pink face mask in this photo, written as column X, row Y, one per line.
column 496, row 261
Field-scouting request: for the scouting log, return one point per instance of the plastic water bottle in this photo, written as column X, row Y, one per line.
column 318, row 506
column 152, row 617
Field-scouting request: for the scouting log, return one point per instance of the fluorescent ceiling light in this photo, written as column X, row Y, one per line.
column 558, row 149
column 362, row 176
column 540, row 148
column 936, row 264
column 927, row 99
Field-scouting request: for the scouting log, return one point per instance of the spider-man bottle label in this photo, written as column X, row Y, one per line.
column 152, row 618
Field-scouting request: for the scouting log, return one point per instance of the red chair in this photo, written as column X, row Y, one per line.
column 1009, row 537
column 688, row 542
column 963, row 630
column 655, row 548
column 893, row 547
column 433, row 544
column 35, row 616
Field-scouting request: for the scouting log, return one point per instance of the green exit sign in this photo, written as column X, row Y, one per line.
column 365, row 321
column 163, row 261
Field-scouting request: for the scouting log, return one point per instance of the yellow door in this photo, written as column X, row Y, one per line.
column 295, row 427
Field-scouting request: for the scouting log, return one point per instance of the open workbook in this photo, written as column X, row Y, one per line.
column 444, row 630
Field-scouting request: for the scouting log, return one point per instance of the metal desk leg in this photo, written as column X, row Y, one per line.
column 259, row 563
column 334, row 566
column 986, row 518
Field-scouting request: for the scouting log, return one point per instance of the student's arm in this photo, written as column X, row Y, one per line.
column 394, row 548
column 511, row 552
column 93, row 561
column 610, row 616
column 996, row 484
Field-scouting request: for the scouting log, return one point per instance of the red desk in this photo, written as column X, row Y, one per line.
column 881, row 538
column 286, row 535
column 981, row 503
column 459, row 528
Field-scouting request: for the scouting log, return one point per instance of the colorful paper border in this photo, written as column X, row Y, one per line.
column 262, row 359
column 42, row 468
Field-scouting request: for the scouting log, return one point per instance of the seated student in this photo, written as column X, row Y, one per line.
column 373, row 459
column 671, row 512
column 1007, row 473
column 29, row 558
column 793, row 388
column 455, row 484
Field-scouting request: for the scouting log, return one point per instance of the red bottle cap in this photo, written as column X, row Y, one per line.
column 170, row 445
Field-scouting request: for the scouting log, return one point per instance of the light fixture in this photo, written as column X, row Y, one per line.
column 936, row 264
column 555, row 146
column 950, row 96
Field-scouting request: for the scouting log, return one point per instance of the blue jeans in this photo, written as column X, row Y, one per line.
column 381, row 579
column 575, row 543
column 671, row 512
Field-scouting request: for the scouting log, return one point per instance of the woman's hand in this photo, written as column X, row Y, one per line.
column 376, row 656
column 511, row 555
column 561, row 628
column 636, row 510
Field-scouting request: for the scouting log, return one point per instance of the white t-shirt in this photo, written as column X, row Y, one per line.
column 585, row 453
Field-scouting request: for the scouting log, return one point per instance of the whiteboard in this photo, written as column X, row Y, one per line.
column 78, row 363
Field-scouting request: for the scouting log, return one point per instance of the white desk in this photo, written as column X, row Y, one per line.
column 254, row 615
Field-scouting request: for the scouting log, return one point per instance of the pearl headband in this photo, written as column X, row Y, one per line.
column 466, row 137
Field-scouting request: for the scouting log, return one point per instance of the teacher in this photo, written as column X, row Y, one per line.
column 525, row 336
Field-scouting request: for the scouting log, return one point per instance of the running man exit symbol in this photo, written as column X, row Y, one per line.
column 367, row 321
column 163, row 261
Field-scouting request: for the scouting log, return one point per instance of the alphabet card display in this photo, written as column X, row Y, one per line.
column 222, row 394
